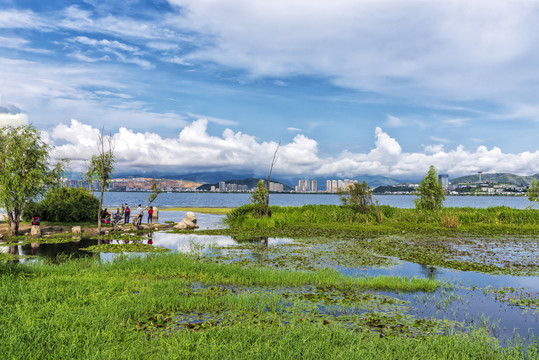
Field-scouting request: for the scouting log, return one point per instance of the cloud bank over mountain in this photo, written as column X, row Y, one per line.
column 195, row 150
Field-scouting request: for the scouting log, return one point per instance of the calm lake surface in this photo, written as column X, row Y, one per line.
column 116, row 199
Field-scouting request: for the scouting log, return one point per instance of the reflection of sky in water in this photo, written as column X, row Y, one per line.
column 187, row 242
column 466, row 278
column 466, row 305
column 523, row 252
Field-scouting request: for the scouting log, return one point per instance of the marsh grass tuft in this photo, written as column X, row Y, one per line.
column 450, row 221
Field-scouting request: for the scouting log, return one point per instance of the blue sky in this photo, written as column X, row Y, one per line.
column 347, row 87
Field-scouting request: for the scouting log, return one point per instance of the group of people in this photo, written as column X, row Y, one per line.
column 126, row 213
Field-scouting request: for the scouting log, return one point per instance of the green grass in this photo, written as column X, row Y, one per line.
column 87, row 309
column 333, row 219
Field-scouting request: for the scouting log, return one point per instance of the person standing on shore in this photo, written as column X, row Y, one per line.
column 150, row 216
column 127, row 214
column 140, row 214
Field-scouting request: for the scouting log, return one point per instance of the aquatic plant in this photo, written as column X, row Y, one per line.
column 125, row 248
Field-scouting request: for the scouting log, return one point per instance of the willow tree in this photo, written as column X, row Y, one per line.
column 24, row 170
column 101, row 168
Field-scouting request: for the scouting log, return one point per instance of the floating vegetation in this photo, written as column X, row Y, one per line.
column 353, row 310
column 11, row 257
column 123, row 237
column 517, row 297
column 509, row 255
column 304, row 254
column 503, row 255
column 124, row 248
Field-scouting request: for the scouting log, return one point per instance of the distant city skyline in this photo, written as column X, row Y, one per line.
column 344, row 88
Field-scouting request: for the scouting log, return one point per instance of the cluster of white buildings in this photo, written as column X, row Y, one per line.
column 231, row 187
column 332, row 186
column 307, row 186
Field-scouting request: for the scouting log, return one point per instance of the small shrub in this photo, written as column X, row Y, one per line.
column 357, row 195
column 258, row 199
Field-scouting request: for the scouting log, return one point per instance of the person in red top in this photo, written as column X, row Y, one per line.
column 150, row 215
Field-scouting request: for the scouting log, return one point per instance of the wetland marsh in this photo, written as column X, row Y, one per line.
column 237, row 292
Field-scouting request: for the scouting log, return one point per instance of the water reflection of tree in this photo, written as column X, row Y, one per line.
column 429, row 271
column 259, row 248
column 56, row 252
column 260, row 240
column 260, row 251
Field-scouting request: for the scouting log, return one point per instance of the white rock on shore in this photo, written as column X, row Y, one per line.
column 189, row 222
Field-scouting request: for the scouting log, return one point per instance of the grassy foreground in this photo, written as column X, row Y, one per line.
column 92, row 310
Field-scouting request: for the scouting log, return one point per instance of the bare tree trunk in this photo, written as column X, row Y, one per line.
column 266, row 198
column 13, row 226
column 99, row 211
column 103, row 174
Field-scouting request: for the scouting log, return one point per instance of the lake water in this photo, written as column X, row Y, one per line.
column 115, row 199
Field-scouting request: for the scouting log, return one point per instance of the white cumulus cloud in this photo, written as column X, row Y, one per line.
column 13, row 119
column 194, row 149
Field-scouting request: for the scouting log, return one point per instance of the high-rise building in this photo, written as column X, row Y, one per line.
column 444, row 180
column 334, row 186
column 277, row 187
column 301, row 186
column 222, row 186
column 314, row 186
column 328, row 186
column 306, row 185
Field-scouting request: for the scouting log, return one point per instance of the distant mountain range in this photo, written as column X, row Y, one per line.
column 290, row 181
column 212, row 178
column 496, row 178
column 200, row 177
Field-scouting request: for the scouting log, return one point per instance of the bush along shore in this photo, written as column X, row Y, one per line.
column 173, row 306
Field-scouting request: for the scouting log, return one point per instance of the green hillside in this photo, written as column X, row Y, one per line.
column 496, row 178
